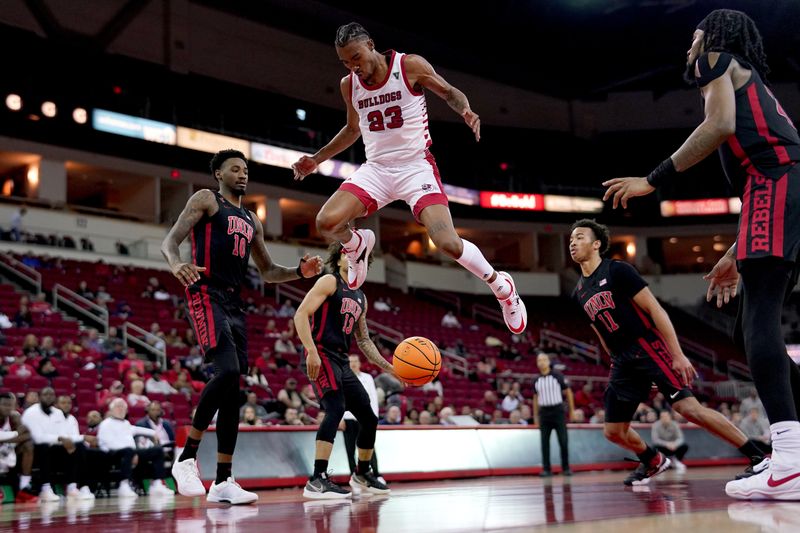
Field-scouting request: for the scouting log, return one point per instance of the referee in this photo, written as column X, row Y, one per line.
column 548, row 412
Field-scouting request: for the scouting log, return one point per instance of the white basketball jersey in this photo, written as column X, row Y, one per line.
column 393, row 117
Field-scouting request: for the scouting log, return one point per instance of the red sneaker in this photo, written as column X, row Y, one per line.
column 23, row 496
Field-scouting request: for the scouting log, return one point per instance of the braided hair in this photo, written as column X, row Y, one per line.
column 727, row 30
column 352, row 31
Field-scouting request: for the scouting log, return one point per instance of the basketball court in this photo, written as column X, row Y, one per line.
column 595, row 501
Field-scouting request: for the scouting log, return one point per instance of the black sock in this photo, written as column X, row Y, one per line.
column 320, row 466
column 362, row 468
column 751, row 450
column 647, row 455
column 190, row 451
column 223, row 472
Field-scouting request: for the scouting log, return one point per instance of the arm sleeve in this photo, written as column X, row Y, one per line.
column 562, row 380
column 655, row 434
column 32, row 421
column 708, row 74
column 680, row 439
column 626, row 278
column 74, row 431
column 138, row 430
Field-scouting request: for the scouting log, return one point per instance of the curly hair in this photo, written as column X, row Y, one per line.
column 727, row 30
column 352, row 31
column 600, row 231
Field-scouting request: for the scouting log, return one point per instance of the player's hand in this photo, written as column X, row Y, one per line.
column 473, row 121
column 313, row 364
column 303, row 167
column 624, row 188
column 311, row 266
column 723, row 280
column 685, row 369
column 187, row 273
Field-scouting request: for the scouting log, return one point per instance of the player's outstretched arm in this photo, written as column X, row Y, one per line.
column 645, row 300
column 201, row 203
column 322, row 289
column 274, row 273
column 718, row 125
column 368, row 347
column 420, row 72
column 344, row 139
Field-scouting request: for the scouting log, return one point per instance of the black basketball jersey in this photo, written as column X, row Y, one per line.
column 606, row 297
column 333, row 323
column 221, row 244
column 765, row 142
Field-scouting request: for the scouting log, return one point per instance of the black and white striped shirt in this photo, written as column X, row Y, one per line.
column 549, row 389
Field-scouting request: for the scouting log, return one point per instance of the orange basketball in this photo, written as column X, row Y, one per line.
column 417, row 361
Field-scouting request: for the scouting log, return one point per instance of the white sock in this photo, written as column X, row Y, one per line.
column 24, row 481
column 156, row 483
column 353, row 243
column 786, row 441
column 72, row 486
column 472, row 259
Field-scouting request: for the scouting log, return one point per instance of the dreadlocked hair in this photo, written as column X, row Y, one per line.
column 334, row 254
column 727, row 30
column 352, row 31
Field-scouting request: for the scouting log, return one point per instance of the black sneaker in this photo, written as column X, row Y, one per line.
column 322, row 488
column 368, row 483
column 546, row 473
column 755, row 468
column 643, row 473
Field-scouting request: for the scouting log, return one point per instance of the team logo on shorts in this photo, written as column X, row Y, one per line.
column 427, row 187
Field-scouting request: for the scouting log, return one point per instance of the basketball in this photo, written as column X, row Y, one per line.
column 417, row 361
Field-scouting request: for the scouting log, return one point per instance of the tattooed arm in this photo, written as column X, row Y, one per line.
column 368, row 347
column 420, row 74
column 201, row 203
column 273, row 273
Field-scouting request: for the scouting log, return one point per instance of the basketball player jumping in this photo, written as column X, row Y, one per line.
column 385, row 99
column 336, row 312
column 638, row 335
column 759, row 147
column 222, row 233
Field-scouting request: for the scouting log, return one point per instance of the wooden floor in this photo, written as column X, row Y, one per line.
column 694, row 502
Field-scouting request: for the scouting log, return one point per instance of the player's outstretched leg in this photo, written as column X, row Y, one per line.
column 436, row 219
column 333, row 222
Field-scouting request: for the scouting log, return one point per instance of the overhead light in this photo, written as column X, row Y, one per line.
column 696, row 248
column 719, row 246
column 673, row 240
column 261, row 211
column 79, row 115
column 431, row 244
column 717, row 238
column 49, row 109
column 631, row 249
column 300, row 113
column 14, row 102
column 33, row 176
column 701, row 259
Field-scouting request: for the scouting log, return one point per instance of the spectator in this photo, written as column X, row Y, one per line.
column 123, row 310
column 449, row 320
column 31, row 398
column 106, row 396
column 249, row 417
column 5, row 322
column 515, row 418
column 292, row 418
column 388, row 388
column 425, row 418
column 16, row 447
column 56, row 442
column 446, row 417
column 93, row 419
column 23, row 318
column 117, row 352
column 16, row 224
column 599, row 417
column 513, row 399
column 489, row 401
column 147, row 293
column 526, row 414
column 289, row 396
column 479, row 416
column 47, row 369
column 183, row 384
column 115, row 435
column 21, row 368
column 102, row 297
column 668, row 439
column 48, row 349
column 252, row 402
column 392, row 417
column 83, row 290
column 154, row 420
column 30, row 346
column 284, row 346
column 265, row 363
column 434, row 385
column 584, row 398
column 161, row 295
column 156, row 385
column 752, row 401
column 286, row 310
column 131, row 362
column 381, row 305
column 755, row 426
column 271, row 331
column 578, row 416
column 137, row 398
column 412, row 417
column 256, row 379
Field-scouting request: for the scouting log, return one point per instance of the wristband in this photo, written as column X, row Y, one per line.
column 298, row 271
column 662, row 173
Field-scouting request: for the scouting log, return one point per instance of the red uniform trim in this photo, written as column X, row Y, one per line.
column 763, row 127
column 381, row 84
column 744, row 221
column 370, row 204
column 212, row 333
column 642, row 315
column 438, row 198
column 778, row 216
column 661, row 363
column 405, row 77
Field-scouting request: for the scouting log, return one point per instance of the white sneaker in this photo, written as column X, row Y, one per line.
column 357, row 260
column 125, row 490
column 679, row 466
column 230, row 492
column 514, row 312
column 187, row 478
column 775, row 483
column 83, row 494
column 157, row 488
column 47, row 495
